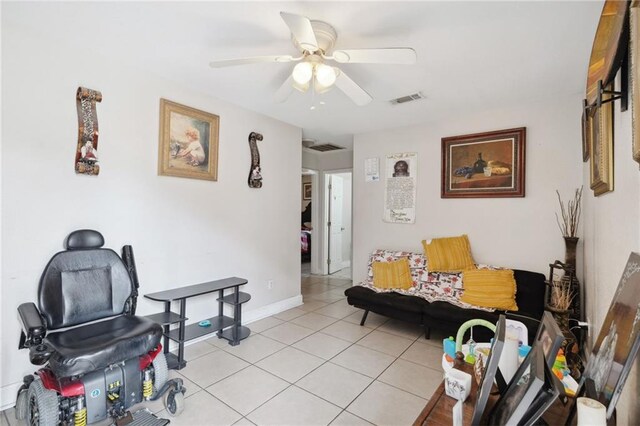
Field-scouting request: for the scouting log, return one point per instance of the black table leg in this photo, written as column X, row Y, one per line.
column 165, row 340
column 220, row 310
column 183, row 314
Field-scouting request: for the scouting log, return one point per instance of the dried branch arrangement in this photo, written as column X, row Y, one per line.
column 561, row 296
column 570, row 214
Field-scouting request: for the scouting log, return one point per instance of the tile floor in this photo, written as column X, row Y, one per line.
column 311, row 365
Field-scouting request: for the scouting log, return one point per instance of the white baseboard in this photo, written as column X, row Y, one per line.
column 8, row 392
column 272, row 309
column 8, row 396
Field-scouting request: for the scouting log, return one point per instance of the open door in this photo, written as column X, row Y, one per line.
column 336, row 188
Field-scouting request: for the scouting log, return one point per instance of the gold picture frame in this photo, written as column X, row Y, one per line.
column 587, row 132
column 602, row 147
column 188, row 144
column 634, row 51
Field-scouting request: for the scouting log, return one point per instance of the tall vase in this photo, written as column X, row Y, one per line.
column 571, row 244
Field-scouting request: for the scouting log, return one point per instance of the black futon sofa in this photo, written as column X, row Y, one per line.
column 445, row 317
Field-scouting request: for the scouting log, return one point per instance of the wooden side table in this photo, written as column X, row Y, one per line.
column 438, row 410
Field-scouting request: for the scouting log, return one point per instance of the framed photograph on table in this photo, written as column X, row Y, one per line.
column 484, row 165
column 549, row 338
column 188, row 142
column 615, row 350
column 521, row 393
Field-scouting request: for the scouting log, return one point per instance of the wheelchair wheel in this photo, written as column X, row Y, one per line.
column 161, row 371
column 174, row 402
column 42, row 407
column 22, row 404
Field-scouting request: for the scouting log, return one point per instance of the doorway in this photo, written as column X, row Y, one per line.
column 308, row 219
column 338, row 201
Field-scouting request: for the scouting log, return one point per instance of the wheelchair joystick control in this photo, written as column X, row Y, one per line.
column 39, row 354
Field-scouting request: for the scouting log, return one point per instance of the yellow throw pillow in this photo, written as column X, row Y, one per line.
column 394, row 274
column 451, row 254
column 490, row 289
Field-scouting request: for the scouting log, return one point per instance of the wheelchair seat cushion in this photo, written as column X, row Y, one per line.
column 93, row 346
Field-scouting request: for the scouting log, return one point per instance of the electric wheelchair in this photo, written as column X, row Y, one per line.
column 100, row 357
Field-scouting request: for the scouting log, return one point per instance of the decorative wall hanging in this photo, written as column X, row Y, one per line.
column 635, row 76
column 87, row 150
column 188, row 142
column 255, row 172
column 484, row 165
column 608, row 55
column 602, row 147
column 400, row 188
column 609, row 47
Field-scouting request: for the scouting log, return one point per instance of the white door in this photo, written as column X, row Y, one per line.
column 336, row 185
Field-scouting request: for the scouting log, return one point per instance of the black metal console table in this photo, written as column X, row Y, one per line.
column 226, row 327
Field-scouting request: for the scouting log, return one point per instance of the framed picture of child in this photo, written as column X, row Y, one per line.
column 188, row 142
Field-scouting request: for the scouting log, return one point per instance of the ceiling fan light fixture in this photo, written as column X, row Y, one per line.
column 301, row 87
column 302, row 73
column 325, row 75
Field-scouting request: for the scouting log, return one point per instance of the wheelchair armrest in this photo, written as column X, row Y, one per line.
column 33, row 326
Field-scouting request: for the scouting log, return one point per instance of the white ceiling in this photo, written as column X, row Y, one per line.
column 471, row 55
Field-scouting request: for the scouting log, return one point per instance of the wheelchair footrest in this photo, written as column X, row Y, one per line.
column 146, row 418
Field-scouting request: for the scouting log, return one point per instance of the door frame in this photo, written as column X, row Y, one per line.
column 315, row 218
column 326, row 179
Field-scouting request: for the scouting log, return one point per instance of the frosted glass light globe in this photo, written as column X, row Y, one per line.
column 325, row 75
column 302, row 72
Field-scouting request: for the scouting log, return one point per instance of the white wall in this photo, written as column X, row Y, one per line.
column 611, row 232
column 514, row 232
column 183, row 231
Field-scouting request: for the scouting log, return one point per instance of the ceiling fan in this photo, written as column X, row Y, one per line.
column 314, row 40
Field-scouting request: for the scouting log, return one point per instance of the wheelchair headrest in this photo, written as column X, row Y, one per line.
column 84, row 239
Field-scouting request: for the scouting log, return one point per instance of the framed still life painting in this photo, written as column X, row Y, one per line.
column 188, row 142
column 484, row 165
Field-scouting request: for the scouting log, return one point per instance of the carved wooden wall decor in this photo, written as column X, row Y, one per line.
column 255, row 173
column 87, row 150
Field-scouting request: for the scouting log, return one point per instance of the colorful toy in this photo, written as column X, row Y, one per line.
column 471, row 356
column 449, row 346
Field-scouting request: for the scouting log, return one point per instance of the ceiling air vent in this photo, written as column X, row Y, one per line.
column 325, row 147
column 408, row 98
column 308, row 143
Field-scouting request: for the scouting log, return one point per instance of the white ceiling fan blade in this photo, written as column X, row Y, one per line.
column 392, row 55
column 284, row 91
column 352, row 90
column 252, row 60
column 302, row 30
